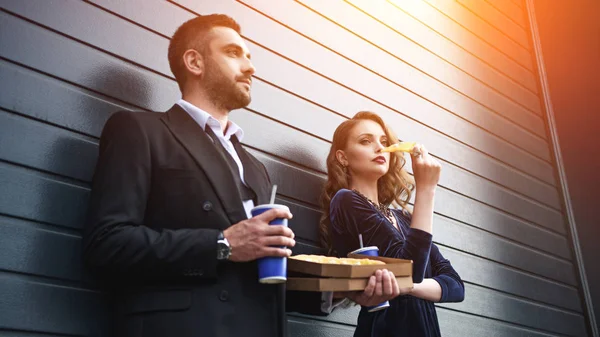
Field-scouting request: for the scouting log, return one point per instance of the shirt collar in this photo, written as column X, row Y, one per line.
column 203, row 118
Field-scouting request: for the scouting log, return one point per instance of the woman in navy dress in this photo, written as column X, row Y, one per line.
column 362, row 184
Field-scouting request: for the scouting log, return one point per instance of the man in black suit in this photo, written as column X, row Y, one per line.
column 169, row 218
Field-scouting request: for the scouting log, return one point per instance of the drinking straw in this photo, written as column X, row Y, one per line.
column 273, row 194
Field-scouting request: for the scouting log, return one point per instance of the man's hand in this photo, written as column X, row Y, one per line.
column 382, row 287
column 252, row 239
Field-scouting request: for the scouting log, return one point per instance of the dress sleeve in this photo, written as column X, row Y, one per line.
column 453, row 289
column 351, row 215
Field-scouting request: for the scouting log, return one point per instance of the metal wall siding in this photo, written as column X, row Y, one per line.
column 456, row 75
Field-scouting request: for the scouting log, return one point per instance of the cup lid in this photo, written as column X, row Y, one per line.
column 270, row 206
column 364, row 249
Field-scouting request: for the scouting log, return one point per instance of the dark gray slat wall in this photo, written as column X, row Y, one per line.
column 458, row 324
column 109, row 75
column 6, row 333
column 445, row 26
column 476, row 308
column 496, row 299
column 513, row 281
column 8, row 96
column 492, row 305
column 544, row 194
column 550, row 218
column 452, row 323
column 481, row 28
column 459, row 264
column 34, row 249
column 469, row 131
column 38, row 152
column 448, row 230
column 30, row 305
column 55, row 150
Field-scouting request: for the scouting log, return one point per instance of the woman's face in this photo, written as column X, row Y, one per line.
column 362, row 154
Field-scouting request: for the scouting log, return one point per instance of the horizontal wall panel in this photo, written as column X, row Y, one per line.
column 52, row 309
column 473, row 240
column 453, row 323
column 8, row 333
column 305, row 219
column 484, row 302
column 28, row 249
column 484, row 30
column 82, row 23
column 308, row 328
column 146, row 15
column 509, row 280
column 305, row 188
column 71, row 61
column 40, row 198
column 55, row 101
column 489, row 303
column 458, row 34
column 497, row 221
column 499, row 21
column 47, row 147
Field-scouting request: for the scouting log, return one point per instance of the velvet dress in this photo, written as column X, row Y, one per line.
column 352, row 214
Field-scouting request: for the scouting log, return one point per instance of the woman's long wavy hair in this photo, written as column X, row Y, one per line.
column 395, row 187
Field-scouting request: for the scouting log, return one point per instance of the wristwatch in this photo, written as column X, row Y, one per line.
column 223, row 247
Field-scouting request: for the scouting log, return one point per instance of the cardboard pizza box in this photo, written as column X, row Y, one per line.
column 337, row 284
column 399, row 267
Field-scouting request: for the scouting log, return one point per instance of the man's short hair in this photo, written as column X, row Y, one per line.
column 191, row 35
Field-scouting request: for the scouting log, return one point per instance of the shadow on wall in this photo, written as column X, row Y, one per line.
column 66, row 203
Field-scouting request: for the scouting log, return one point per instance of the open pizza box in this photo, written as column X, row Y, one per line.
column 315, row 276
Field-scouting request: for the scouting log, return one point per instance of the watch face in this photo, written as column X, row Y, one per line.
column 223, row 250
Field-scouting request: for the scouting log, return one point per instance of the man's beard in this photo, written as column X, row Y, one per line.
column 223, row 92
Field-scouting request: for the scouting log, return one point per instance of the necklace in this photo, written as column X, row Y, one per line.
column 383, row 209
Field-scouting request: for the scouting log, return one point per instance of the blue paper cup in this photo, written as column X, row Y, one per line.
column 272, row 270
column 371, row 251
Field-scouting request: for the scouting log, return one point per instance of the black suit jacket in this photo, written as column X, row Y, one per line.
column 160, row 195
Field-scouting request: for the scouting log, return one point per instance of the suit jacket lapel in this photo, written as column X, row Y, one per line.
column 254, row 174
column 200, row 146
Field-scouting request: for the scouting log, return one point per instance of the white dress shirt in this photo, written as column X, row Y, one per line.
column 203, row 119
